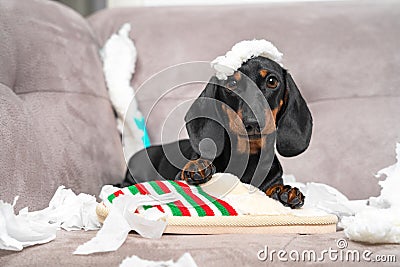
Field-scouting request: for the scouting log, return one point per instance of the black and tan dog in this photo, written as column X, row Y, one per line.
column 234, row 126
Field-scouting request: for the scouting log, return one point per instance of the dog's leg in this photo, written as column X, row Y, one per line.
column 287, row 195
column 197, row 171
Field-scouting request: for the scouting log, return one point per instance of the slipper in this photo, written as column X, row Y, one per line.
column 196, row 212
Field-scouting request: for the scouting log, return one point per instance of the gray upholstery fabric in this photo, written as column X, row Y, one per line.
column 329, row 47
column 343, row 56
column 57, row 124
column 211, row 250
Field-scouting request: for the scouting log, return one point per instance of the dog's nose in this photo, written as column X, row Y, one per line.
column 252, row 123
column 252, row 127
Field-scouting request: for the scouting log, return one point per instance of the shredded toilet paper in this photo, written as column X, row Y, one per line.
column 227, row 64
column 373, row 220
column 185, row 260
column 17, row 232
column 66, row 210
column 326, row 198
column 379, row 222
column 121, row 220
column 119, row 60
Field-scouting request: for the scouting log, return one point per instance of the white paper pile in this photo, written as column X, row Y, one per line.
column 185, row 260
column 326, row 198
column 380, row 221
column 17, row 232
column 66, row 210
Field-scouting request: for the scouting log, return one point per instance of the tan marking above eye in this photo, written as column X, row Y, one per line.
column 263, row 73
column 237, row 76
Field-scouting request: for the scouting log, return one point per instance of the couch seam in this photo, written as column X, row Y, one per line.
column 63, row 92
column 348, row 97
column 308, row 102
column 289, row 242
column 5, row 85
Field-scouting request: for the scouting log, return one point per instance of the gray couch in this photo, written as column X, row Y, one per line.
column 57, row 125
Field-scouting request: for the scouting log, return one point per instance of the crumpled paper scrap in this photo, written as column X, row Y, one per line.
column 121, row 220
column 324, row 197
column 185, row 260
column 17, row 232
column 379, row 222
column 66, row 210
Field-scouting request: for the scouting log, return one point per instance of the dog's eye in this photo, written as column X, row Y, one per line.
column 272, row 82
column 231, row 84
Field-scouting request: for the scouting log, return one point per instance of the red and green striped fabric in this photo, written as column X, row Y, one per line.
column 192, row 200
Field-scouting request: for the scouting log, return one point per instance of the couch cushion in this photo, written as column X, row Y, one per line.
column 57, row 124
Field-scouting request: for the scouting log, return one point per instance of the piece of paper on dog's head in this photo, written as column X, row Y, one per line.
column 241, row 52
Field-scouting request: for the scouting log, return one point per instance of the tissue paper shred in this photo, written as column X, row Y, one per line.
column 120, row 221
column 380, row 221
column 66, row 210
column 17, row 232
column 185, row 260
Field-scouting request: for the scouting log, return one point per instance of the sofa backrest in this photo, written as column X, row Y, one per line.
column 57, row 126
column 343, row 56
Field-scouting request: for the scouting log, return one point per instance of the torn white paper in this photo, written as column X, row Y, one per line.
column 119, row 60
column 185, row 260
column 110, row 237
column 373, row 225
column 17, row 232
column 227, row 64
column 326, row 198
column 122, row 219
column 68, row 211
column 380, row 221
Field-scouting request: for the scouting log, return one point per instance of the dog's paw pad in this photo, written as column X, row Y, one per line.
column 198, row 171
column 287, row 195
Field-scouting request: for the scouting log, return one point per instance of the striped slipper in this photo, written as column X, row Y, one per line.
column 196, row 212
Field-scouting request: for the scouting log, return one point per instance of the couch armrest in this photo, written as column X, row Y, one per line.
column 57, row 124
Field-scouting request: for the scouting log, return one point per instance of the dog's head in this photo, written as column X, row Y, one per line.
column 259, row 98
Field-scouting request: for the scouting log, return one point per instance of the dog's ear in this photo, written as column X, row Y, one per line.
column 203, row 121
column 295, row 123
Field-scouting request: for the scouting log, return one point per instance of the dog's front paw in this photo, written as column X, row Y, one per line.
column 287, row 195
column 198, row 171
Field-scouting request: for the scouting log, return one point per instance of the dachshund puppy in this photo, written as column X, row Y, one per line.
column 234, row 126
